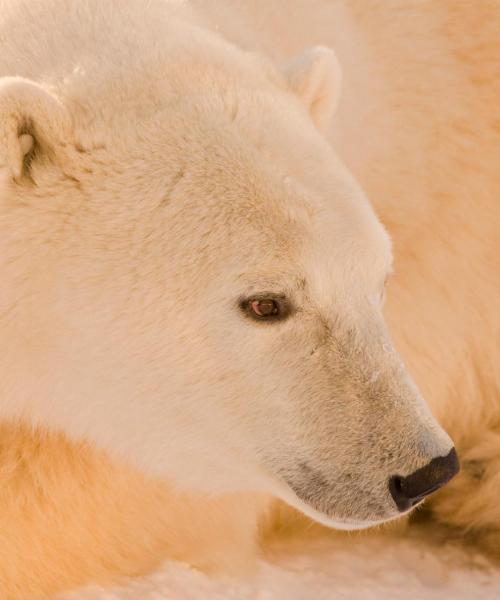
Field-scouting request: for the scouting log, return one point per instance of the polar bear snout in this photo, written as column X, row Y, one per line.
column 409, row 491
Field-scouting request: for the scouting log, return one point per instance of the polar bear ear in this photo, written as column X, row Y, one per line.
column 32, row 122
column 315, row 76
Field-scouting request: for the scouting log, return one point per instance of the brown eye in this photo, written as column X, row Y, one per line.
column 264, row 308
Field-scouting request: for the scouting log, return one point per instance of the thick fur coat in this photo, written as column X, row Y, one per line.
column 121, row 147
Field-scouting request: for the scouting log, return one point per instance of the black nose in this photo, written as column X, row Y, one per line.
column 407, row 491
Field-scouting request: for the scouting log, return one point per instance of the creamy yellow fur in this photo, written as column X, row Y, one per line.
column 425, row 148
column 68, row 516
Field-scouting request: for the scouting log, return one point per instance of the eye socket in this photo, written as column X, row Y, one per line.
column 265, row 308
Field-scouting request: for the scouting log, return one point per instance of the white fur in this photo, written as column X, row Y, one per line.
column 136, row 342
column 173, row 174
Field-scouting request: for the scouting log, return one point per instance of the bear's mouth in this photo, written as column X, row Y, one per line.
column 334, row 521
column 345, row 505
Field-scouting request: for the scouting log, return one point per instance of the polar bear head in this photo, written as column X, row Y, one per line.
column 193, row 281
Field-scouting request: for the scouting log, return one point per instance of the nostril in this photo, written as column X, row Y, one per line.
column 397, row 493
column 397, row 484
column 407, row 491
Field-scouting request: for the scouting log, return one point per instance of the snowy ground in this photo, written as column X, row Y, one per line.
column 350, row 568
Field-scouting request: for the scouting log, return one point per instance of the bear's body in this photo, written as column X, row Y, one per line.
column 417, row 124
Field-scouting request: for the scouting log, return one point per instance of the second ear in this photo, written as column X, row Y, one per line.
column 315, row 76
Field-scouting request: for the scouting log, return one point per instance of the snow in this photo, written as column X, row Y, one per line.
column 373, row 567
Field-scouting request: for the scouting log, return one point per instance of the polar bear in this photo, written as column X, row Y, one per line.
column 192, row 301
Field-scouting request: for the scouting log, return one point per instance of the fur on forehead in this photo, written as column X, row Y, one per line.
column 210, row 161
column 203, row 160
column 350, row 252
